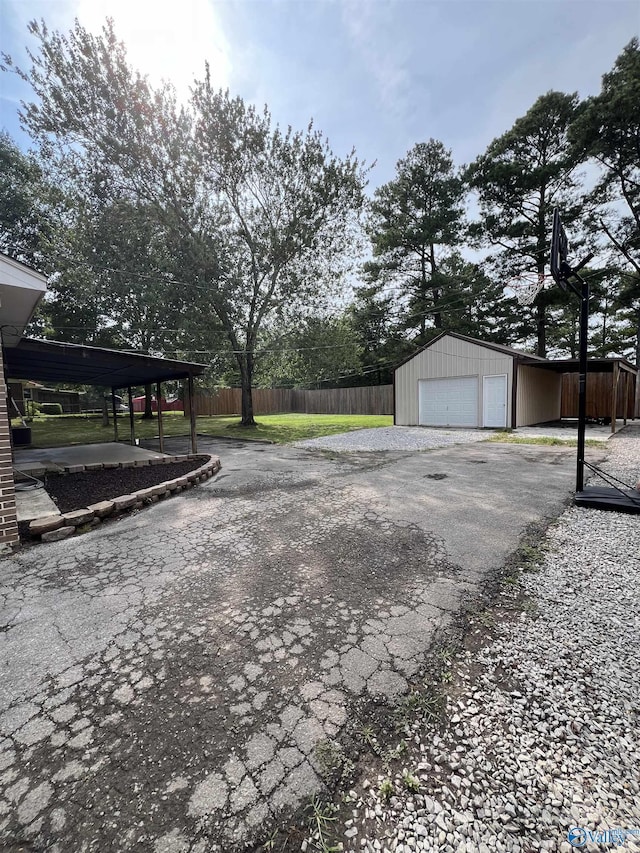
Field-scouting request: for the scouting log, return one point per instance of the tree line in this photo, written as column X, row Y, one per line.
column 204, row 231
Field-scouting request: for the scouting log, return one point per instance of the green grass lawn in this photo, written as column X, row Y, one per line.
column 551, row 441
column 63, row 430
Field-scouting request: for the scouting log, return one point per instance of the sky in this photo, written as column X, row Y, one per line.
column 374, row 75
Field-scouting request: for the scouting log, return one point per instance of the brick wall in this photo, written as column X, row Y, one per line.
column 8, row 522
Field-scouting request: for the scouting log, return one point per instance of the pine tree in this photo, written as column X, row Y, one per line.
column 416, row 221
column 520, row 178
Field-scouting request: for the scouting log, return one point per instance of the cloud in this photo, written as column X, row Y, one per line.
column 369, row 26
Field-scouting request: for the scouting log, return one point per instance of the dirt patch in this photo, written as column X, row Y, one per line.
column 74, row 491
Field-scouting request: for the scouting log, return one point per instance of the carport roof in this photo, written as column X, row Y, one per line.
column 594, row 365
column 53, row 361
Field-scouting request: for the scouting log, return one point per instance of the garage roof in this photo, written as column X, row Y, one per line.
column 487, row 344
column 563, row 365
column 53, row 361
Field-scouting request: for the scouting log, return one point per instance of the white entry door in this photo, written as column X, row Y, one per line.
column 448, row 402
column 494, row 401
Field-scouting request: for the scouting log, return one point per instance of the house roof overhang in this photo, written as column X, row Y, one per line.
column 21, row 288
column 53, row 361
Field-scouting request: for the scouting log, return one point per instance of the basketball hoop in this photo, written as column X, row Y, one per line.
column 526, row 286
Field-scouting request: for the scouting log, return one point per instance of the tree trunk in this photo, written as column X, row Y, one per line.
column 541, row 329
column 246, row 377
column 437, row 317
column 105, row 411
column 148, row 407
column 542, row 255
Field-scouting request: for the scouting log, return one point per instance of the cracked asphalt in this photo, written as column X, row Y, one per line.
column 175, row 681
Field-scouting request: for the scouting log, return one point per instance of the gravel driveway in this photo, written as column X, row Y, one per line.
column 540, row 742
column 396, row 438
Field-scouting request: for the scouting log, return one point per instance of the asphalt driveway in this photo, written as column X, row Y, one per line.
column 177, row 680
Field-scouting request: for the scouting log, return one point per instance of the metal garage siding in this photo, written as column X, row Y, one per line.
column 447, row 357
column 539, row 395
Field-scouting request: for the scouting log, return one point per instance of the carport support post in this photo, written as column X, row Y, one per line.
column 160, row 425
column 582, row 396
column 192, row 415
column 614, row 395
column 115, row 414
column 131, row 423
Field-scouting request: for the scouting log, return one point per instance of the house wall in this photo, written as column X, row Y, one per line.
column 8, row 521
column 447, row 357
column 538, row 396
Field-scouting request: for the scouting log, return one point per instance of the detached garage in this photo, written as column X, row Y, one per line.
column 456, row 381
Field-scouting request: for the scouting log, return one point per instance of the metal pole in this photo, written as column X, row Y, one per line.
column 115, row 414
column 131, row 424
column 160, row 424
column 582, row 395
column 192, row 416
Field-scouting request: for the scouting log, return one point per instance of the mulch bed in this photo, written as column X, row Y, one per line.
column 75, row 491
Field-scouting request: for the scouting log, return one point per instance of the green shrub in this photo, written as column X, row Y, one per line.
column 51, row 408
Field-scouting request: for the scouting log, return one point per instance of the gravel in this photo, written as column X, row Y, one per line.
column 395, row 438
column 541, row 725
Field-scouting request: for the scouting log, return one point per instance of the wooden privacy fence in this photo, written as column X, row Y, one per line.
column 370, row 400
column 600, row 395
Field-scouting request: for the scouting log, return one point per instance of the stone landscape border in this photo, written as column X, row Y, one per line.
column 53, row 528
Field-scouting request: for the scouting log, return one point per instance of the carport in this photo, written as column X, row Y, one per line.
column 52, row 361
column 611, row 388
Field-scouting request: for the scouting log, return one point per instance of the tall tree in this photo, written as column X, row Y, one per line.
column 261, row 217
column 416, row 219
column 519, row 179
column 319, row 352
column 608, row 132
column 476, row 304
column 377, row 328
column 25, row 196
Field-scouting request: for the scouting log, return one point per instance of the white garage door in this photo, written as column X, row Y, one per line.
column 448, row 402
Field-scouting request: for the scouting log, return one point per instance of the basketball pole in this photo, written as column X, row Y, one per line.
column 582, row 292
column 582, row 391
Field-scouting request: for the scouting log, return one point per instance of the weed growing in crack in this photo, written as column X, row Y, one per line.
column 530, row 556
column 394, row 754
column 485, row 618
column 270, row 843
column 529, row 606
column 322, row 818
column 446, row 654
column 386, row 789
column 411, row 782
column 368, row 737
column 426, row 706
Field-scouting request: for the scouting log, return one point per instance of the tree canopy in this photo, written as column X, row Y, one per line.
column 204, row 230
column 258, row 217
